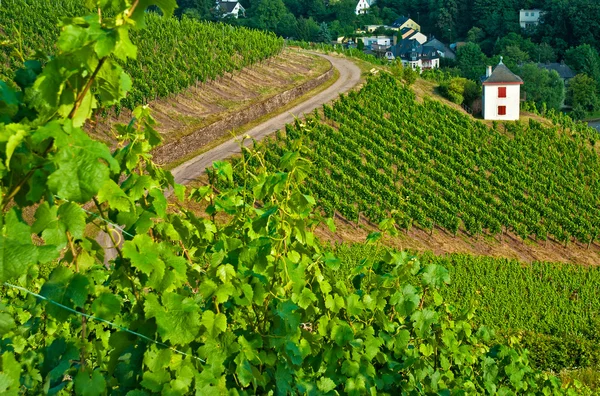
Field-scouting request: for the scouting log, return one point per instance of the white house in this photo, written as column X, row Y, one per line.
column 378, row 40
column 362, row 6
column 231, row 8
column 501, row 94
column 529, row 18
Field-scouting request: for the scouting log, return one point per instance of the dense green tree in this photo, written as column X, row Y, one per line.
column 287, row 26
column 266, row 14
column 475, row 35
column 514, row 56
column 545, row 53
column 409, row 76
column 542, row 86
column 584, row 60
column 573, row 22
column 581, row 92
column 324, row 35
column 343, row 11
column 308, row 29
column 471, row 61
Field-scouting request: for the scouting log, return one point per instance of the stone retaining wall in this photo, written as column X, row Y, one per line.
column 187, row 145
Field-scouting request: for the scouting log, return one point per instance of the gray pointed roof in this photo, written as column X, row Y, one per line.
column 502, row 74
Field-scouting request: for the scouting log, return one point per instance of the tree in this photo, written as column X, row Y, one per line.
column 584, row 60
column 475, row 35
column 471, row 92
column 471, row 61
column 266, row 14
column 287, row 26
column 324, row 36
column 460, row 90
column 542, row 86
column 545, row 53
column 409, row 76
column 581, row 92
column 514, row 56
column 308, row 29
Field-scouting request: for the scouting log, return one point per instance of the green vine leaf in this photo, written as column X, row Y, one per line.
column 177, row 317
column 17, row 251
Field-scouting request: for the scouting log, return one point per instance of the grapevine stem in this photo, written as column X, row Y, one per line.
column 87, row 87
column 82, row 355
column 106, row 229
column 70, row 239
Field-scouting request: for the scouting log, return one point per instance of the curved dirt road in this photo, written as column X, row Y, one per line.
column 349, row 78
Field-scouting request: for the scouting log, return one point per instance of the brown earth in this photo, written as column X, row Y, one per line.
column 441, row 242
column 198, row 106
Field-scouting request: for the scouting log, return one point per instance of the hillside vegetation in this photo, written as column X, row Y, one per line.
column 192, row 305
column 172, row 54
column 380, row 153
column 553, row 308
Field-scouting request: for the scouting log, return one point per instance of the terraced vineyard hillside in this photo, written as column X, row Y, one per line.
column 172, row 55
column 380, row 153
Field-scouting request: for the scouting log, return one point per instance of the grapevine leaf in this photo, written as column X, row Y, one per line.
column 223, row 170
column 144, row 255
column 422, row 321
column 105, row 43
column 155, row 381
column 106, row 306
column 9, row 104
column 342, row 333
column 176, row 318
column 116, row 198
column 286, row 311
column 125, row 48
column 78, row 290
column 166, row 6
column 53, row 223
column 10, row 374
column 306, row 298
column 90, row 385
column 17, row 251
column 435, row 276
column 226, row 273
column 284, row 379
column 112, row 83
column 354, row 305
column 81, row 166
column 406, row 300
column 215, row 324
column 66, row 289
column 17, row 134
column 326, row 384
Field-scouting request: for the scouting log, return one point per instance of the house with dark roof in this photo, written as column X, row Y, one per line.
column 501, row 94
column 563, row 70
column 413, row 54
column 231, row 8
column 405, row 22
column 443, row 49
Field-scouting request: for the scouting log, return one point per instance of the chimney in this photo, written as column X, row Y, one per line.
column 489, row 71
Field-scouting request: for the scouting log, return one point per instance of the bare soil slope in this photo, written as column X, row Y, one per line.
column 199, row 106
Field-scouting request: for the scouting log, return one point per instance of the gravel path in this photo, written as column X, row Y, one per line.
column 349, row 77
